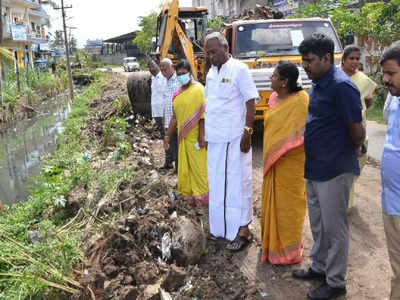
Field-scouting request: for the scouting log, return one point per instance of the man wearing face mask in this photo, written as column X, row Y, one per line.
column 230, row 93
column 167, row 69
column 332, row 139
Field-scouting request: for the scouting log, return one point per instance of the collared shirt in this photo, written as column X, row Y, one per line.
column 227, row 92
column 158, row 83
column 390, row 164
column 171, row 86
column 334, row 104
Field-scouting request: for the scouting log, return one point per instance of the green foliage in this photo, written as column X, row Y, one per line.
column 123, row 149
column 375, row 113
column 381, row 22
column 73, row 44
column 148, row 30
column 35, row 271
column 322, row 9
column 35, row 87
column 58, row 41
column 215, row 24
column 114, row 131
column 111, row 180
column 123, row 105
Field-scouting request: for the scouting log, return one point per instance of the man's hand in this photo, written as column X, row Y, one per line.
column 166, row 142
column 245, row 143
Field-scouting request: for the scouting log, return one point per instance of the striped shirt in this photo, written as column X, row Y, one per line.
column 171, row 86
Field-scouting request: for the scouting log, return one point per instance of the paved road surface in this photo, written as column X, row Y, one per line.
column 376, row 139
column 120, row 70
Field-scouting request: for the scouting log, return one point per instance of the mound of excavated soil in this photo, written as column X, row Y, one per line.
column 124, row 259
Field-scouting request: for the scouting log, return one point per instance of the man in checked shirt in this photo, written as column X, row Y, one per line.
column 167, row 69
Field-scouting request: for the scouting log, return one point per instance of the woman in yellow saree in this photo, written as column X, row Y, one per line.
column 189, row 107
column 350, row 64
column 283, row 205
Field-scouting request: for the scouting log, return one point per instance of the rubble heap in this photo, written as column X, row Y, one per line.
column 158, row 247
column 260, row 12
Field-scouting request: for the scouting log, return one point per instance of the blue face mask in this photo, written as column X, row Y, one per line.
column 184, row 79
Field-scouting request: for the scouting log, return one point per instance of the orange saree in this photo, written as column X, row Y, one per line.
column 283, row 205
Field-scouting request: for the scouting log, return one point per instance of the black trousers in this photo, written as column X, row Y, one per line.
column 171, row 155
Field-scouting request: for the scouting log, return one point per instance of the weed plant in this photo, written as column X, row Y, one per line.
column 45, row 268
column 35, row 87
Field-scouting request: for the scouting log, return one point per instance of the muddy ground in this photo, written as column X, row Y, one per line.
column 124, row 259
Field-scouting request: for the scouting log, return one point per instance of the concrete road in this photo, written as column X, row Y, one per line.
column 120, row 70
column 376, row 139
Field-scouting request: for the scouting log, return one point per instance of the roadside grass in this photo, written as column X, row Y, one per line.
column 375, row 113
column 44, row 269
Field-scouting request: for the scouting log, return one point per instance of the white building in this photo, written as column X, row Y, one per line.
column 227, row 7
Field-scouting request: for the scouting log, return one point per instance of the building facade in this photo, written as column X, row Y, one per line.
column 24, row 29
column 227, row 8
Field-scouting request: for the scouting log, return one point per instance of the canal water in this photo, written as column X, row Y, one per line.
column 23, row 145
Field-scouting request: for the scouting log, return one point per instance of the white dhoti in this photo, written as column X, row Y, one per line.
column 230, row 190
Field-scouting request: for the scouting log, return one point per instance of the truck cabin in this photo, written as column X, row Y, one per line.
column 273, row 40
column 261, row 44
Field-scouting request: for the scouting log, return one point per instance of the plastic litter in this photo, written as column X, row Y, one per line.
column 264, row 294
column 166, row 244
column 171, row 196
column 141, row 211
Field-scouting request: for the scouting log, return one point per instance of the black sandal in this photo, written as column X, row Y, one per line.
column 239, row 243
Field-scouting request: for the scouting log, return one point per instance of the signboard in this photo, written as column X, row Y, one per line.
column 94, row 46
column 44, row 47
column 287, row 7
column 19, row 32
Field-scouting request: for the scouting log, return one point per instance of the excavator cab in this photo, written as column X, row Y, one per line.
column 192, row 20
column 180, row 34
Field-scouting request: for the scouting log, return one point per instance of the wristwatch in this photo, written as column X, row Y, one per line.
column 248, row 130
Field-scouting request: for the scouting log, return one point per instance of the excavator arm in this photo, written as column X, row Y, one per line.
column 173, row 30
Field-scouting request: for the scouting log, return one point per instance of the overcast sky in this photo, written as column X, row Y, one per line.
column 103, row 19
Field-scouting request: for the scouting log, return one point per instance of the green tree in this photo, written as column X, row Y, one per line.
column 58, row 41
column 148, row 30
column 215, row 24
column 320, row 9
column 73, row 44
column 381, row 22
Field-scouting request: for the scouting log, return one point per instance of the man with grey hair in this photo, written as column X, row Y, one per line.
column 230, row 93
column 390, row 170
column 158, row 82
column 172, row 84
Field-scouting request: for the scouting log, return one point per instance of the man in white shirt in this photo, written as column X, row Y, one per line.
column 172, row 84
column 230, row 93
column 158, row 83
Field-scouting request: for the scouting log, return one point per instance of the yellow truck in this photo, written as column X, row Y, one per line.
column 261, row 44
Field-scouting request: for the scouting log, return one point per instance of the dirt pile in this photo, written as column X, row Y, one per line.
column 260, row 12
column 157, row 248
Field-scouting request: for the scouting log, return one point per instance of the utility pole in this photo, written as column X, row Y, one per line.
column 63, row 8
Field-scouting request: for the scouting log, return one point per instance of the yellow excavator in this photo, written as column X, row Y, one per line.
column 180, row 34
